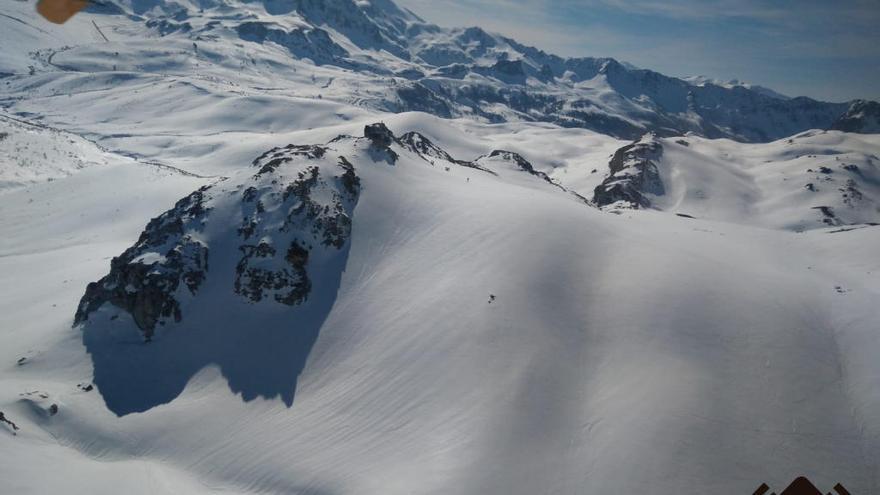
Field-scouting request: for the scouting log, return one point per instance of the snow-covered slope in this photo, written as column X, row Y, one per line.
column 439, row 304
column 480, row 330
column 32, row 153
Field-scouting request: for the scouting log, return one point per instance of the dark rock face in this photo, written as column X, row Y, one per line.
column 381, row 138
column 430, row 152
column 418, row 97
column 509, row 71
column 315, row 44
column 862, row 117
column 278, row 234
column 299, row 200
column 828, row 216
column 350, row 181
column 521, row 163
column 379, row 135
column 256, row 276
column 272, row 159
column 851, row 194
column 278, row 267
column 634, row 174
column 145, row 278
column 422, row 146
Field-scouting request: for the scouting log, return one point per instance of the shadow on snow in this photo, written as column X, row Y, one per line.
column 260, row 349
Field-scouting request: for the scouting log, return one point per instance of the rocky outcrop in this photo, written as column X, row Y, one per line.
column 862, row 117
column 379, row 134
column 257, row 275
column 314, row 44
column 270, row 224
column 381, row 139
column 422, row 146
column 416, row 97
column 500, row 160
column 520, row 162
column 263, row 231
column 430, row 152
column 633, row 176
column 145, row 279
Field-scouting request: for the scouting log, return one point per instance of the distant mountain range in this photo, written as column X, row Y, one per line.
column 471, row 72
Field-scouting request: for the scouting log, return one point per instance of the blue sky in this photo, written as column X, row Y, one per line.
column 824, row 49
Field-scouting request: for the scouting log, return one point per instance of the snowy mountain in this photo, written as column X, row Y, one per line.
column 233, row 261
column 733, row 83
column 379, row 55
column 812, row 180
column 862, row 117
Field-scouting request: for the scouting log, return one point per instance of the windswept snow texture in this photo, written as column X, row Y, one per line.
column 243, row 267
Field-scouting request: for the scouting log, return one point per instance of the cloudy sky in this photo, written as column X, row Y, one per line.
column 826, row 49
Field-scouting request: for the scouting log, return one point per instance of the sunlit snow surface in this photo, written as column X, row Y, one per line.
column 626, row 351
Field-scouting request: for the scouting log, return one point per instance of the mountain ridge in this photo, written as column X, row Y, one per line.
column 469, row 72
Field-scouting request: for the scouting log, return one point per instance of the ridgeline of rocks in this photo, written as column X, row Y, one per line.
column 633, row 175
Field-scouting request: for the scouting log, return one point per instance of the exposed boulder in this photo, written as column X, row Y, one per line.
column 379, row 134
column 633, row 176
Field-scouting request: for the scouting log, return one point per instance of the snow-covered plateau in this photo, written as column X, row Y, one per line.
column 328, row 248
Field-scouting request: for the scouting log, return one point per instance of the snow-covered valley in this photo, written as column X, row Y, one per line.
column 218, row 275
